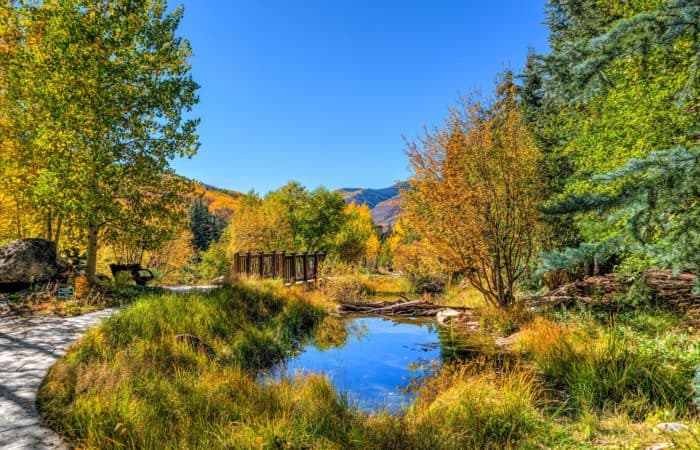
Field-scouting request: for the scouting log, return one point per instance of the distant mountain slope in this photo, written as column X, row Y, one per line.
column 383, row 203
column 369, row 197
column 386, row 212
column 222, row 202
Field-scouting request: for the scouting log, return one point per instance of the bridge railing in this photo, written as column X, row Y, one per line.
column 292, row 267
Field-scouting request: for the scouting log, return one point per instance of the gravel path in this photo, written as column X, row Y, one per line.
column 28, row 348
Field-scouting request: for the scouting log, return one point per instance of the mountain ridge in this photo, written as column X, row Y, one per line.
column 384, row 203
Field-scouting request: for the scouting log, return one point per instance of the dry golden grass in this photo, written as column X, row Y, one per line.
column 462, row 296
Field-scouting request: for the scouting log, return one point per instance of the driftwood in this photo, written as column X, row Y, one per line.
column 664, row 288
column 413, row 308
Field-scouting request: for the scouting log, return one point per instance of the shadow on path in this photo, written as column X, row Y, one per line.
column 27, row 350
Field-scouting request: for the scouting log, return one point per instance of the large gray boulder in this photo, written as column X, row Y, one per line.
column 30, row 260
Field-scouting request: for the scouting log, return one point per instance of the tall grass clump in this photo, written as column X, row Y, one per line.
column 607, row 370
column 478, row 408
column 351, row 286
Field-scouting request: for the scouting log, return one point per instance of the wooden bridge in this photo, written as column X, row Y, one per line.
column 292, row 267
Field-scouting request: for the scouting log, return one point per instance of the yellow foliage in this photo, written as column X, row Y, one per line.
column 472, row 205
column 259, row 225
column 372, row 249
column 357, row 240
column 173, row 257
column 409, row 253
column 81, row 286
column 219, row 202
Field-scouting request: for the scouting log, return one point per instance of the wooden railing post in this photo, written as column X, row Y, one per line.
column 315, row 266
column 305, row 267
column 274, row 263
column 294, row 267
column 247, row 264
column 260, row 261
column 281, row 257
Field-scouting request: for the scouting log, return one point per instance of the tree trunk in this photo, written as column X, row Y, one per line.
column 596, row 269
column 18, row 215
column 91, row 268
column 49, row 231
column 59, row 223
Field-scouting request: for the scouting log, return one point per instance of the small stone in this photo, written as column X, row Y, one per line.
column 473, row 325
column 660, row 446
column 444, row 316
column 672, row 427
column 219, row 281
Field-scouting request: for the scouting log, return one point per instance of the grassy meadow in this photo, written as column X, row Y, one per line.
column 182, row 371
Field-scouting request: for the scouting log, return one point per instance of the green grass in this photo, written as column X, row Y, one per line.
column 616, row 367
column 132, row 382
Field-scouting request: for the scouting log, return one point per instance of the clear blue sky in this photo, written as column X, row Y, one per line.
column 322, row 91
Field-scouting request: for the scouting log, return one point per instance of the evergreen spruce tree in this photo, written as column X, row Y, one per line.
column 202, row 225
column 626, row 83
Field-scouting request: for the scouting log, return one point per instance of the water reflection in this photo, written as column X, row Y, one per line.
column 373, row 359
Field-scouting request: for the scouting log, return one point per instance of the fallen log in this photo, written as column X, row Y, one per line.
column 413, row 308
column 395, row 306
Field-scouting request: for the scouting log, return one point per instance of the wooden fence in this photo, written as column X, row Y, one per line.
column 292, row 267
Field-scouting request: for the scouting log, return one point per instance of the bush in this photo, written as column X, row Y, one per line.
column 351, row 286
column 215, row 261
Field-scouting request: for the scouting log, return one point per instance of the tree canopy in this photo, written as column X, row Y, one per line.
column 98, row 93
column 617, row 100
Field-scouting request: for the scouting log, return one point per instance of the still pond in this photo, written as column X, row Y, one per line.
column 375, row 361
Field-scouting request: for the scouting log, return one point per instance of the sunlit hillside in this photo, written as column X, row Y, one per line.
column 222, row 202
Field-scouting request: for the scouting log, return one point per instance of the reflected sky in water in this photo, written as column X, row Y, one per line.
column 375, row 362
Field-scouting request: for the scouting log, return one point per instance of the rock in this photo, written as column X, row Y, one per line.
column 445, row 316
column 672, row 427
column 219, row 281
column 660, row 446
column 507, row 342
column 197, row 343
column 430, row 285
column 30, row 260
